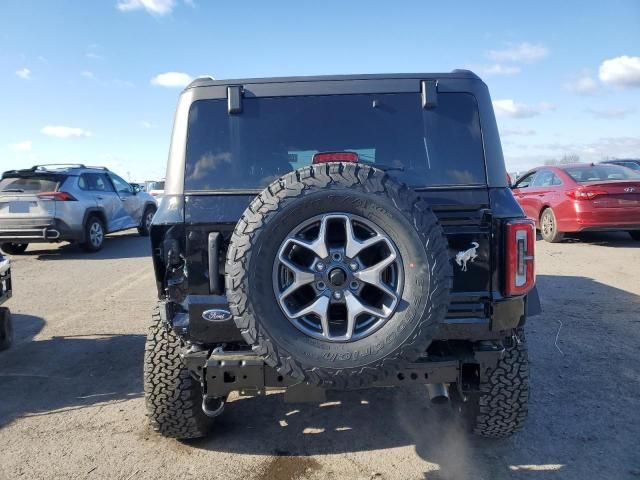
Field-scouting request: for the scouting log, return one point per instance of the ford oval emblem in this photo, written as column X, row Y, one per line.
column 216, row 315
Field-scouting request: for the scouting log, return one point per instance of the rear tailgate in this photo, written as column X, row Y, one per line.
column 614, row 194
column 20, row 205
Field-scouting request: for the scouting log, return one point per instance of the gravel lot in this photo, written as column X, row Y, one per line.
column 71, row 402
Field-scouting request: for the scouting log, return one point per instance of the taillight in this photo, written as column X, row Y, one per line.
column 520, row 240
column 325, row 157
column 62, row 196
column 581, row 194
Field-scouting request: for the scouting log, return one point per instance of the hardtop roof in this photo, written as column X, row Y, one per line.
column 455, row 74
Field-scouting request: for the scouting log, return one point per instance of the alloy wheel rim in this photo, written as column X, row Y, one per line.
column 338, row 277
column 96, row 234
column 547, row 224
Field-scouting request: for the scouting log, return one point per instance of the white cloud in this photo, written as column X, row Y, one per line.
column 621, row 71
column 512, row 109
column 603, row 148
column 496, row 69
column 523, row 52
column 611, row 112
column 145, row 124
column 508, row 132
column 24, row 73
column 171, row 79
column 94, row 56
column 155, row 7
column 60, row 131
column 21, row 146
column 584, row 84
column 87, row 74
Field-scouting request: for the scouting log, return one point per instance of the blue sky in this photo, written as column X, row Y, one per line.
column 97, row 81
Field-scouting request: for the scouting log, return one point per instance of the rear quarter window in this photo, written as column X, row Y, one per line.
column 273, row 136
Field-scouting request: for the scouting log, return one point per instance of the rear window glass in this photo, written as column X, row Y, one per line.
column 595, row 173
column 272, row 136
column 29, row 184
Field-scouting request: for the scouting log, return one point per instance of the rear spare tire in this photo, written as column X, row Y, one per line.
column 338, row 275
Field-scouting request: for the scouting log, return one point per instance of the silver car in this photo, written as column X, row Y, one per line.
column 53, row 203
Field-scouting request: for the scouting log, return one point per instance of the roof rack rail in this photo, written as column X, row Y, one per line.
column 97, row 167
column 45, row 165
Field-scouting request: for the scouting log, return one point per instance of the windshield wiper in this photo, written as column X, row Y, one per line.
column 14, row 190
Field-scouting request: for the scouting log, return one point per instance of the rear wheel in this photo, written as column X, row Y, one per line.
column 14, row 248
column 500, row 407
column 147, row 218
column 173, row 397
column 635, row 234
column 93, row 235
column 549, row 227
column 6, row 329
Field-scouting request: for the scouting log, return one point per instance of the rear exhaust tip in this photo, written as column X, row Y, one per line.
column 438, row 393
column 51, row 234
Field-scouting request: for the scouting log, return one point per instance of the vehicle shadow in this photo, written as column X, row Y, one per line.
column 579, row 408
column 38, row 377
column 127, row 244
column 604, row 239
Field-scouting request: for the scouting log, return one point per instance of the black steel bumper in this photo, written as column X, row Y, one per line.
column 224, row 372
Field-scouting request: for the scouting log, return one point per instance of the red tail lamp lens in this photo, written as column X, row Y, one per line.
column 520, row 238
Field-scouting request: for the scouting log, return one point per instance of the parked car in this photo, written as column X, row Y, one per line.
column 304, row 253
column 53, row 203
column 581, row 197
column 633, row 164
column 6, row 326
column 156, row 189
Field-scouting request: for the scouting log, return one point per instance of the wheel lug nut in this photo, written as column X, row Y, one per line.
column 320, row 266
column 353, row 266
column 321, row 285
column 353, row 285
column 337, row 295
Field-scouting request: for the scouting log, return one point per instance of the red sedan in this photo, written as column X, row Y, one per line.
column 581, row 197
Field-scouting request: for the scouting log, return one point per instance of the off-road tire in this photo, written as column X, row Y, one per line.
column 553, row 236
column 339, row 186
column 6, row 329
column 500, row 408
column 173, row 397
column 87, row 245
column 14, row 248
column 143, row 229
column 635, row 234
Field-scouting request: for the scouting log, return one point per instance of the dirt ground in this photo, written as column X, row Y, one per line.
column 71, row 400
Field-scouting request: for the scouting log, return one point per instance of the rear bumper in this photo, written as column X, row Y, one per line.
column 54, row 230
column 589, row 218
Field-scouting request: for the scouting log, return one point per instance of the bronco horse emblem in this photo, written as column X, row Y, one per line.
column 467, row 256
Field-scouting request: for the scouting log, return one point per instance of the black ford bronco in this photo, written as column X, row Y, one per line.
column 335, row 233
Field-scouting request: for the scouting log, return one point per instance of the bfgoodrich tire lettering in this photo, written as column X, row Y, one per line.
column 172, row 396
column 350, row 189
